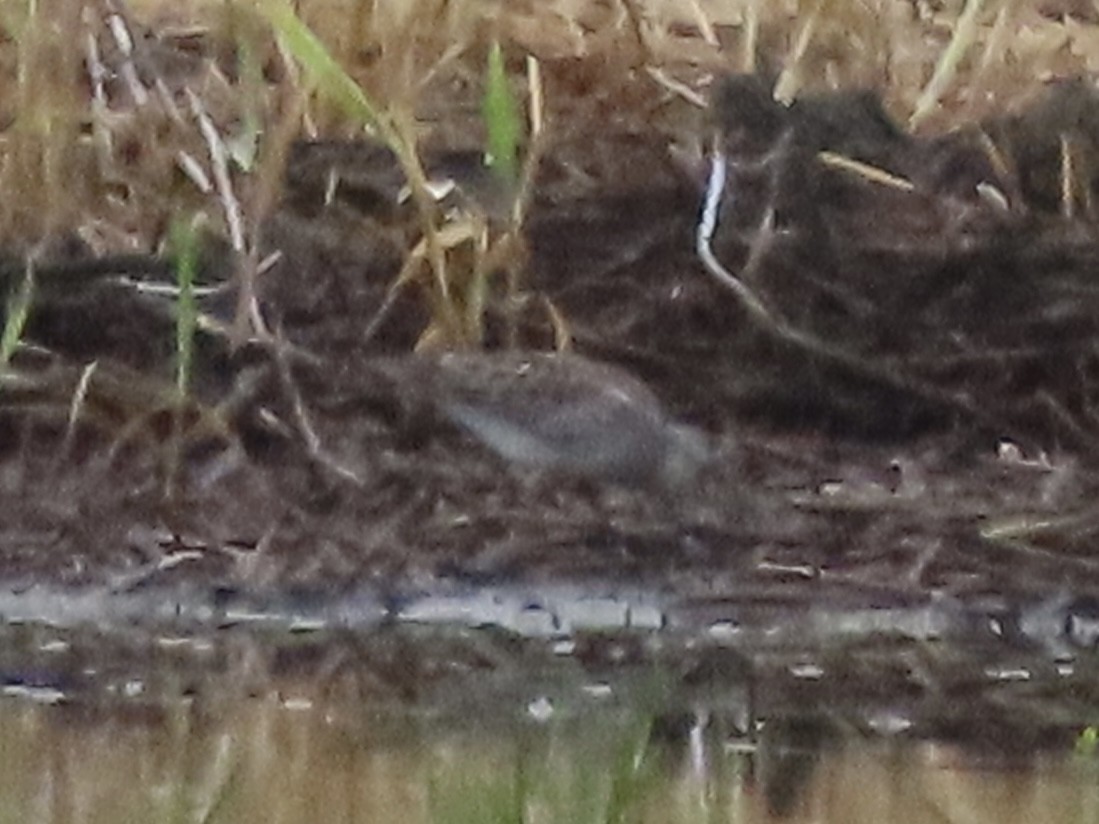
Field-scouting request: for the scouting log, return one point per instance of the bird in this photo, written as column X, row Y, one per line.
column 558, row 412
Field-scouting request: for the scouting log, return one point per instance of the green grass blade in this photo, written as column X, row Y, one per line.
column 184, row 241
column 500, row 110
column 18, row 310
column 321, row 68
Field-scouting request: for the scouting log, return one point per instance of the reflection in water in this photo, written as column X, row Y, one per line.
column 789, row 752
column 288, row 754
column 434, row 724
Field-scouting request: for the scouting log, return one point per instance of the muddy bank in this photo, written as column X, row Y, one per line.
column 894, row 390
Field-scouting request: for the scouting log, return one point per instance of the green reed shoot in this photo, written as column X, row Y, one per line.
column 18, row 311
column 184, row 244
column 321, row 68
column 503, row 122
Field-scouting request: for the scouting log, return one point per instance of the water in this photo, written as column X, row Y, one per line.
column 420, row 723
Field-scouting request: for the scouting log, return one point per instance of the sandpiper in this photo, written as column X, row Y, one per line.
column 561, row 413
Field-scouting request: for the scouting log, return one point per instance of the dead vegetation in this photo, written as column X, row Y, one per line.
column 877, row 277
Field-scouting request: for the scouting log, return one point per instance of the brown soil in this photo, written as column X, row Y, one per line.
column 907, row 412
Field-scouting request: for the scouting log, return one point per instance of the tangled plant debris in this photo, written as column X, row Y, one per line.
column 896, row 390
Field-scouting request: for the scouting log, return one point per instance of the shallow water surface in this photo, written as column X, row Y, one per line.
column 430, row 724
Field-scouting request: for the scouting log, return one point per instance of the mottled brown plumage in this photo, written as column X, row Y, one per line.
column 557, row 412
